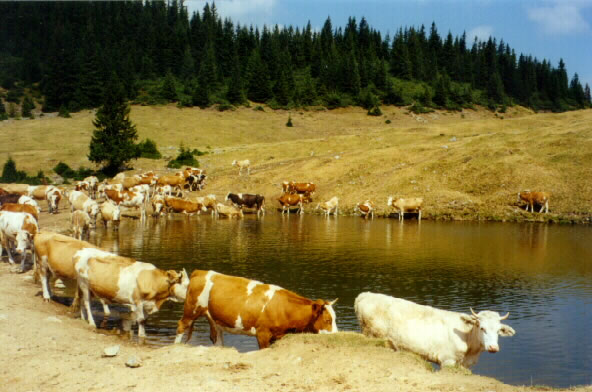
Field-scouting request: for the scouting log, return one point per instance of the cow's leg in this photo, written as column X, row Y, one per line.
column 419, row 217
column 264, row 337
column 23, row 259
column 44, row 278
column 83, row 286
column 8, row 246
column 547, row 206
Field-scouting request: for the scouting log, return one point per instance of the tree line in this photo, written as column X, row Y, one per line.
column 68, row 51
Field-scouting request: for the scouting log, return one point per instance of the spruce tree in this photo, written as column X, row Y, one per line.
column 442, row 90
column 586, row 94
column 258, row 89
column 235, row 94
column 27, row 107
column 168, row 90
column 112, row 143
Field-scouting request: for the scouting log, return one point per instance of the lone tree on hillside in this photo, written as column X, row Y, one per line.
column 112, row 143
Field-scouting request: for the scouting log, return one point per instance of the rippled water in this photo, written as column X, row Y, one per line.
column 541, row 274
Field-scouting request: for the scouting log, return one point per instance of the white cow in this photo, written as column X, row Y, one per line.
column 80, row 201
column 17, row 230
column 29, row 201
column 402, row 205
column 244, row 164
column 330, row 206
column 441, row 336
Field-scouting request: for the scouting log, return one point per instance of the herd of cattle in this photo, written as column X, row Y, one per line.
column 265, row 311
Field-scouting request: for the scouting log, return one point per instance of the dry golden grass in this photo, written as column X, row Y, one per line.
column 354, row 156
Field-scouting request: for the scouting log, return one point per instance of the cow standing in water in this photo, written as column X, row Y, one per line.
column 248, row 200
column 248, row 307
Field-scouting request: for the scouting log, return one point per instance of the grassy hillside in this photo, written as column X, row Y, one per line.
column 467, row 165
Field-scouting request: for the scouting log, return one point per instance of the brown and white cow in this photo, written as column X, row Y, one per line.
column 441, row 336
column 115, row 279
column 184, row 206
column 229, row 211
column 299, row 187
column 80, row 201
column 208, row 201
column 53, row 195
column 402, row 205
column 37, row 192
column 110, row 212
column 93, row 184
column 532, row 198
column 106, row 186
column 366, row 208
column 26, row 208
column 81, row 224
column 82, row 186
column 330, row 206
column 129, row 199
column 289, row 200
column 17, row 230
column 158, row 205
column 243, row 306
column 244, row 164
column 173, row 181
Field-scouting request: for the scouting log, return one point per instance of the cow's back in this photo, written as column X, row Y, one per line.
column 60, row 250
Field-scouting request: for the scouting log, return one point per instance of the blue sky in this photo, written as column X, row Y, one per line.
column 546, row 29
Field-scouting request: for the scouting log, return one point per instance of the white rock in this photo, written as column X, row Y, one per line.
column 53, row 319
column 111, row 351
column 133, row 362
column 58, row 284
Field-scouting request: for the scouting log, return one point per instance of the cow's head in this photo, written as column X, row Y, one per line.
column 178, row 281
column 324, row 317
column 488, row 326
column 23, row 239
column 54, row 199
column 234, row 163
column 93, row 210
column 227, row 197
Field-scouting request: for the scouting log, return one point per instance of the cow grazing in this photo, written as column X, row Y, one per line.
column 81, row 224
column 265, row 311
column 366, row 208
column 115, row 279
column 241, row 200
column 110, row 212
column 129, row 199
column 532, row 198
column 184, row 206
column 244, row 164
column 53, row 196
column 330, row 206
column 441, row 336
column 413, row 204
column 158, row 205
column 80, row 201
column 289, row 200
column 299, row 187
column 26, row 208
column 208, row 201
column 17, row 230
column 229, row 211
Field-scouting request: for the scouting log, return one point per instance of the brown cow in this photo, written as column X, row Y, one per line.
column 288, row 200
column 266, row 311
column 14, row 207
column 532, row 198
column 366, row 208
column 184, row 206
column 299, row 187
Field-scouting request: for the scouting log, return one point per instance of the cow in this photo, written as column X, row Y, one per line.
column 93, row 184
column 402, row 205
column 248, row 200
column 208, row 201
column 37, row 192
column 244, row 164
column 366, row 208
column 330, row 206
column 532, row 198
column 29, row 201
column 243, row 306
column 196, row 182
column 21, row 189
column 128, row 199
column 441, row 336
column 3, row 192
column 110, row 212
column 105, row 186
column 299, row 187
column 185, row 206
column 229, row 211
column 82, row 186
column 81, row 224
column 80, row 201
column 174, row 181
column 10, row 198
column 26, row 208
column 288, row 200
column 142, row 188
column 17, row 230
column 53, row 195
column 54, row 255
column 158, row 205
column 115, row 279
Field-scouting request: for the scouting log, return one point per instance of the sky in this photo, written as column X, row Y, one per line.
column 545, row 29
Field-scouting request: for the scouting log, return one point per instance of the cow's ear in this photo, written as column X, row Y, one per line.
column 173, row 276
column 317, row 308
column 506, row 330
column 469, row 319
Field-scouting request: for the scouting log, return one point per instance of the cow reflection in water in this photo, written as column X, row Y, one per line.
column 404, row 236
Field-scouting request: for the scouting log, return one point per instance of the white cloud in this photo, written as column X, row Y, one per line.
column 481, row 32
column 561, row 16
column 256, row 12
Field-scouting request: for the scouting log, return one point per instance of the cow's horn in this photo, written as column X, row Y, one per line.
column 473, row 312
column 505, row 317
column 333, row 302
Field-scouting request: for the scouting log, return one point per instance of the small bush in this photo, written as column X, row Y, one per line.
column 334, row 101
column 66, row 172
column 259, row 108
column 387, row 122
column 185, row 158
column 289, row 123
column 375, row 111
column 418, row 108
column 148, row 149
column 64, row 112
column 224, row 107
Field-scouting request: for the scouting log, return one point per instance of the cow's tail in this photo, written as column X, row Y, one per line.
column 190, row 331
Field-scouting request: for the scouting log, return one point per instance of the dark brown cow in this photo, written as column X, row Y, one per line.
column 9, row 198
column 266, row 311
column 288, row 200
column 247, row 200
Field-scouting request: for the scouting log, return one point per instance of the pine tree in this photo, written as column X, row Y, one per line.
column 235, row 94
column 586, row 94
column 27, row 107
column 308, row 94
column 9, row 172
column 188, row 65
column 168, row 90
column 258, row 89
column 112, row 143
column 495, row 88
column 442, row 90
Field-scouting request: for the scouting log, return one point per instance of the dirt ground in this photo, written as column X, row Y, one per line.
column 47, row 348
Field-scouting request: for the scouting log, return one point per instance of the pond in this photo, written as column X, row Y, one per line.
column 541, row 274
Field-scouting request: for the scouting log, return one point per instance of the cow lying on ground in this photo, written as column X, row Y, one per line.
column 289, row 200
column 115, row 279
column 229, row 211
column 441, row 336
column 330, row 206
column 366, row 208
column 266, row 311
column 413, row 204
column 244, row 164
column 532, row 198
column 248, row 200
column 17, row 230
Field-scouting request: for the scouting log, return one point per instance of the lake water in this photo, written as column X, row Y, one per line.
column 541, row 274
